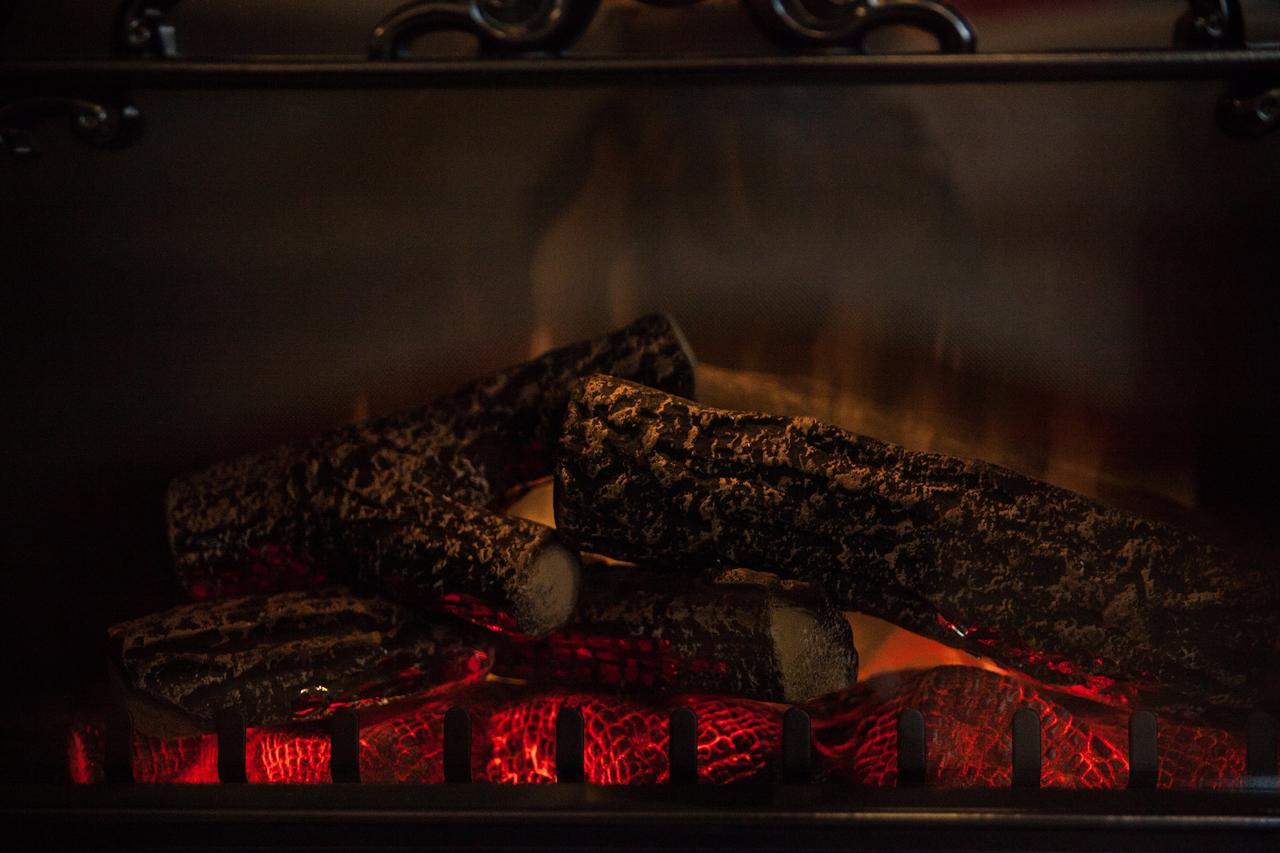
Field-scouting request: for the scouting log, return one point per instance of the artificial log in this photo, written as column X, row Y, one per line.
column 292, row 655
column 486, row 441
column 272, row 521
column 745, row 634
column 971, row 554
column 507, row 574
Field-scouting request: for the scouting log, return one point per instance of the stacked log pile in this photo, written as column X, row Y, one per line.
column 1051, row 582
column 744, row 537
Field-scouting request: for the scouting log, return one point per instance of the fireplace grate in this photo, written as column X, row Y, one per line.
column 795, row 761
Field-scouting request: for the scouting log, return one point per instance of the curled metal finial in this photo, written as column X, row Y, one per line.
column 145, row 28
column 847, row 23
column 1210, row 25
column 1250, row 114
column 95, row 122
column 502, row 26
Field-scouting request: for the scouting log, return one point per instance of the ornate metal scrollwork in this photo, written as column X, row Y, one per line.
column 94, row 121
column 146, row 28
column 1251, row 109
column 502, row 26
column 1209, row 25
column 847, row 23
column 1252, row 115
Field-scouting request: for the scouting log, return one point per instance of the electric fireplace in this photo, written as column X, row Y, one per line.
column 653, row 425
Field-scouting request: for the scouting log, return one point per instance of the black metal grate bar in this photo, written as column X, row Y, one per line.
column 457, row 745
column 570, row 745
column 330, row 72
column 1026, row 749
column 797, row 747
column 1260, row 758
column 1144, row 759
column 682, row 746
column 231, row 743
column 344, row 746
column 911, row 749
column 117, row 760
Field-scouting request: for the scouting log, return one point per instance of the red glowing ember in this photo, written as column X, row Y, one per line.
column 967, row 713
column 513, row 742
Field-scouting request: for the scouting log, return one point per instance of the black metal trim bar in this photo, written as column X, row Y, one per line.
column 341, row 73
column 570, row 816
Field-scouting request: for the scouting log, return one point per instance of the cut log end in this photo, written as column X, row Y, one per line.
column 548, row 593
column 812, row 658
column 1067, row 590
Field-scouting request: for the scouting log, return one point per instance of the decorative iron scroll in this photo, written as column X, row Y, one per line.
column 146, row 28
column 847, row 23
column 1252, row 109
column 502, row 26
column 1251, row 114
column 1210, row 24
column 95, row 122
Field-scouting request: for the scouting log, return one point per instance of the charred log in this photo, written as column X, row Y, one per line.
column 958, row 550
column 292, row 655
column 747, row 634
column 271, row 521
column 508, row 574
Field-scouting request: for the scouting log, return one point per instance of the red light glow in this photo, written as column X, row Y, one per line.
column 967, row 713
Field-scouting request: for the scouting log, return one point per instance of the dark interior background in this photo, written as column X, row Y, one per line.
column 1080, row 276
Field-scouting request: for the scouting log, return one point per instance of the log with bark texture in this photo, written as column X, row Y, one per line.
column 273, row 521
column 746, row 634
column 293, row 655
column 1051, row 582
column 508, row 574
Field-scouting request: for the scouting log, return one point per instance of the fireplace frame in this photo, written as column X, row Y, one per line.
column 670, row 817
column 98, row 95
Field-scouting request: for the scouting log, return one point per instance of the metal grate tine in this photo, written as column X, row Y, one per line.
column 911, row 749
column 797, row 747
column 344, row 746
column 1026, row 749
column 231, row 745
column 682, row 746
column 457, row 745
column 118, row 757
column 1260, row 759
column 1144, row 759
column 569, row 746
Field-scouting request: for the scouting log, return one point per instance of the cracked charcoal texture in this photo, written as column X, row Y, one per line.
column 259, row 652
column 513, row 742
column 967, row 715
column 272, row 521
column 637, row 629
column 938, row 545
